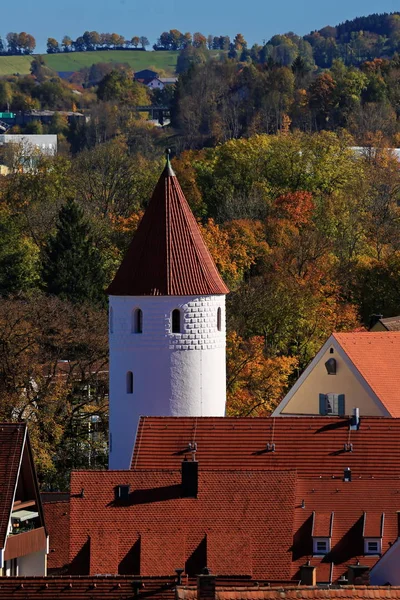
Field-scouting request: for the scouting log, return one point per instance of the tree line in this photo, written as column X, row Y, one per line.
column 17, row 44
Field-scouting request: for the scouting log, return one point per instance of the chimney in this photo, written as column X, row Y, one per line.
column 308, row 574
column 358, row 575
column 190, row 477
column 355, row 419
column 347, row 474
column 206, row 585
column 373, row 319
column 122, row 492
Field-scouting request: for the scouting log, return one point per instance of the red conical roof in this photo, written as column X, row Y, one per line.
column 167, row 256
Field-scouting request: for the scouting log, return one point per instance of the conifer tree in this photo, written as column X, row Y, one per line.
column 72, row 267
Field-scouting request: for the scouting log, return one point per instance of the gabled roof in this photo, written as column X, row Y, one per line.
column 376, row 356
column 240, row 523
column 373, row 357
column 314, row 446
column 167, row 256
column 12, row 441
column 391, row 323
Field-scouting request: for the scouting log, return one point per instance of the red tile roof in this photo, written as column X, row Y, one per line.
column 12, row 438
column 376, row 356
column 374, row 524
column 306, row 593
column 314, row 446
column 322, row 524
column 56, row 515
column 167, row 256
column 241, row 522
column 349, row 501
column 92, row 588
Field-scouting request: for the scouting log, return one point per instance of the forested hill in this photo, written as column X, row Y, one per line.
column 357, row 40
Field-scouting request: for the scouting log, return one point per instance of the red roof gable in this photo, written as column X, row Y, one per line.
column 377, row 357
column 12, row 438
column 167, row 256
column 248, row 531
column 314, row 446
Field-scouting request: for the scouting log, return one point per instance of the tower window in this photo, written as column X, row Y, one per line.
column 129, row 382
column 219, row 319
column 111, row 318
column 176, row 321
column 137, row 321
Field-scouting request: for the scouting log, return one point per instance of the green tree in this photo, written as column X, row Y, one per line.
column 72, row 265
column 18, row 257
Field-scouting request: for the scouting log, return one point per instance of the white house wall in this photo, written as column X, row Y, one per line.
column 32, row 564
column 174, row 374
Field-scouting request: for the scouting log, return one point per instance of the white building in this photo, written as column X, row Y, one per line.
column 167, row 323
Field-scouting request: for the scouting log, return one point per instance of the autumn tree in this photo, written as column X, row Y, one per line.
column 53, row 354
column 255, row 382
column 52, row 46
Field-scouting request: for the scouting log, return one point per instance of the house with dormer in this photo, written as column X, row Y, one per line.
column 23, row 535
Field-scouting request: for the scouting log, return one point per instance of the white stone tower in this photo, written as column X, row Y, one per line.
column 167, row 323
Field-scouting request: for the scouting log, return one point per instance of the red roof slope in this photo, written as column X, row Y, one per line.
column 240, row 521
column 377, row 357
column 12, row 436
column 79, row 588
column 314, row 446
column 352, row 503
column 56, row 515
column 167, row 256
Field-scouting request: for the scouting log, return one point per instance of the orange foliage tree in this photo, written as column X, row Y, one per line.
column 255, row 382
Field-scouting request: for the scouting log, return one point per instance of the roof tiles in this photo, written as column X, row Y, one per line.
column 12, row 437
column 376, row 356
column 167, row 256
column 314, row 446
column 247, row 531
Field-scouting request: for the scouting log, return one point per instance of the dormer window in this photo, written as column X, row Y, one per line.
column 321, row 546
column 373, row 532
column 176, row 321
column 372, row 545
column 137, row 321
column 322, row 527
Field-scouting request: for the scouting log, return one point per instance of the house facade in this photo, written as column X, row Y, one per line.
column 351, row 371
column 23, row 535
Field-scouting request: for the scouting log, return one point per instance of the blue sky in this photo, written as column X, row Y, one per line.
column 258, row 20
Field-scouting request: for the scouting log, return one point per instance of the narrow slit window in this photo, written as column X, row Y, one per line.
column 219, row 319
column 176, row 321
column 129, row 382
column 137, row 321
column 111, row 318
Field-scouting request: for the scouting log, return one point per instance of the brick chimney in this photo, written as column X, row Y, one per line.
column 206, row 586
column 308, row 574
column 358, row 575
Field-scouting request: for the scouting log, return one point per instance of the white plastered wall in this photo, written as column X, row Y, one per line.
column 174, row 374
column 32, row 564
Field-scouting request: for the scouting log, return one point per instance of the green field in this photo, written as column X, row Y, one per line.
column 9, row 65
column 74, row 61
